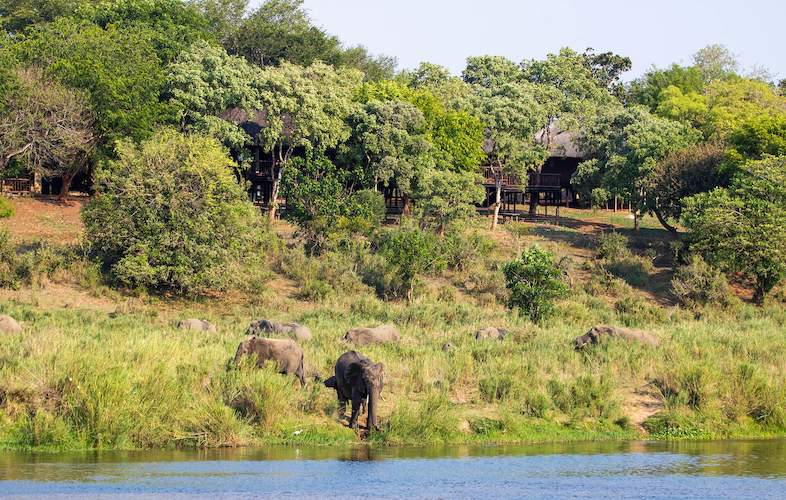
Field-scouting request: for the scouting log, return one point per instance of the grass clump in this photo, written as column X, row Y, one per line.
column 699, row 284
column 6, row 208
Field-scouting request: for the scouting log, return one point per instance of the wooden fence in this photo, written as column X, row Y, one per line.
column 16, row 186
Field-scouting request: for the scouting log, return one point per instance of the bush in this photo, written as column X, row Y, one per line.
column 534, row 282
column 169, row 215
column 6, row 208
column 633, row 269
column 636, row 311
column 700, row 284
column 612, row 246
column 408, row 253
column 743, row 228
column 462, row 250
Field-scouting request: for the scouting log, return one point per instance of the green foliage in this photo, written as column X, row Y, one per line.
column 169, row 214
column 6, row 208
column 757, row 137
column 648, row 90
column 684, row 173
column 320, row 202
column 612, row 246
column 534, row 281
column 409, row 253
column 599, row 197
column 117, row 66
column 699, row 284
column 743, row 228
column 445, row 199
column 626, row 151
column 204, row 82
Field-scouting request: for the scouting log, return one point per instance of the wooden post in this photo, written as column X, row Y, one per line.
column 615, row 202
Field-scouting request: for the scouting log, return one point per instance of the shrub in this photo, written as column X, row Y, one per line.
column 633, row 269
column 700, row 284
column 169, row 214
column 612, row 246
column 6, row 208
column 743, row 228
column 408, row 253
column 599, row 197
column 534, row 282
column 461, row 249
column 636, row 311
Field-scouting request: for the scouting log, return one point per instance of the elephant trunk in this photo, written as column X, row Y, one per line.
column 373, row 402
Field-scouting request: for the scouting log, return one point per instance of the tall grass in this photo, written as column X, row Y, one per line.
column 125, row 377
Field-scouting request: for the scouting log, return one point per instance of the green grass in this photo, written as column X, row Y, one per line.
column 122, row 376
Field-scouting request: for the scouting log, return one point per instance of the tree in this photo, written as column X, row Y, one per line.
column 490, row 71
column 304, row 108
column 203, row 83
column 756, row 138
column 647, row 89
column 224, row 17
column 117, row 67
column 375, row 68
column 569, row 94
column 715, row 62
column 280, row 30
column 684, row 173
column 322, row 201
column 534, row 282
column 169, row 214
column 607, row 67
column 446, row 198
column 412, row 253
column 388, row 142
column 734, row 101
column 743, row 228
column 627, row 151
column 48, row 124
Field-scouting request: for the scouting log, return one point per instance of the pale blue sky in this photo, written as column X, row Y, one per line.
column 649, row 32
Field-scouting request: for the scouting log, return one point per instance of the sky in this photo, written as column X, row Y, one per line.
column 650, row 32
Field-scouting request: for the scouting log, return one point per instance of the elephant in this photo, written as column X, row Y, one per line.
column 598, row 332
column 295, row 331
column 285, row 352
column 491, row 333
column 198, row 325
column 359, row 380
column 364, row 336
column 9, row 324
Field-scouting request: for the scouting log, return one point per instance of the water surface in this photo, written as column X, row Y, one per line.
column 738, row 469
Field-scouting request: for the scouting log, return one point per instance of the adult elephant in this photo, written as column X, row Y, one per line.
column 359, row 380
column 285, row 352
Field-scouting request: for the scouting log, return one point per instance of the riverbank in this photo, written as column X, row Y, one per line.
column 97, row 368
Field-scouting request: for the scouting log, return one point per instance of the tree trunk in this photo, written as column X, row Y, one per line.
column 497, row 204
column 636, row 221
column 664, row 222
column 273, row 203
column 68, row 178
column 407, row 208
column 533, row 203
column 758, row 294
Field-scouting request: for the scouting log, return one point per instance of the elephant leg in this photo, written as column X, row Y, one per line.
column 342, row 408
column 357, row 401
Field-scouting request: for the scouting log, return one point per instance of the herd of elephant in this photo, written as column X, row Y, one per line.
column 356, row 378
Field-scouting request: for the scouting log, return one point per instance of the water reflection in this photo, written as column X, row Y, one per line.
column 756, row 469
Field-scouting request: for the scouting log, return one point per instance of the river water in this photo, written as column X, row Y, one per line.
column 735, row 469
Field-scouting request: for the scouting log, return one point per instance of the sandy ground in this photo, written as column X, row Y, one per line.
column 45, row 218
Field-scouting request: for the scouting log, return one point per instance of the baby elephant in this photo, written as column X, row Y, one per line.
column 198, row 325
column 292, row 330
column 359, row 380
column 378, row 335
column 598, row 332
column 285, row 352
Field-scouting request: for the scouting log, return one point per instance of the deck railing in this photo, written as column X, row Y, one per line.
column 16, row 186
column 534, row 180
column 544, row 180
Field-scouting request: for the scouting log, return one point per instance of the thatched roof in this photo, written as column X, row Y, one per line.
column 563, row 143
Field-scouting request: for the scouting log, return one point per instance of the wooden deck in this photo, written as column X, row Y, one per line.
column 16, row 186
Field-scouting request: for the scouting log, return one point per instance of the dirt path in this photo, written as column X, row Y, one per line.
column 641, row 403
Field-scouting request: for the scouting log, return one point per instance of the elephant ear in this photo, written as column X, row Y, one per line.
column 355, row 376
